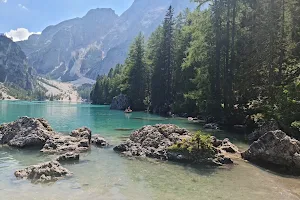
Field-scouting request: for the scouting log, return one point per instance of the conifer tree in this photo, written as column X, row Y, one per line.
column 162, row 79
column 136, row 69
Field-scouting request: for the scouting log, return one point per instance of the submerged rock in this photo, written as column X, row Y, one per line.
column 99, row 141
column 119, row 102
column 26, row 132
column 157, row 142
column 70, row 156
column 275, row 148
column 44, row 172
column 123, row 129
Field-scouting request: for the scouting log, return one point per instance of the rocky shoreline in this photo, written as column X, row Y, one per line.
column 37, row 133
column 160, row 141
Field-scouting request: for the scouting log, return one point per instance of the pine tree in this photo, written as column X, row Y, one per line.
column 162, row 79
column 136, row 68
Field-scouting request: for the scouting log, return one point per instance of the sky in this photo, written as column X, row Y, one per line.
column 21, row 18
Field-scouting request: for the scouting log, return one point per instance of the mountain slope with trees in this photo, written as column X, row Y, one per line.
column 237, row 62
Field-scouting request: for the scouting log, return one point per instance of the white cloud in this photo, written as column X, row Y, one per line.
column 19, row 34
column 21, row 6
column 3, row 1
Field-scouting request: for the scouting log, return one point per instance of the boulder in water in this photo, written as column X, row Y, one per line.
column 119, row 102
column 44, row 172
column 276, row 149
column 26, row 132
column 158, row 141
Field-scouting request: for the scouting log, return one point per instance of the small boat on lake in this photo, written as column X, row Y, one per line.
column 128, row 110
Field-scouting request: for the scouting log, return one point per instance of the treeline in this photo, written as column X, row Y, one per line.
column 237, row 60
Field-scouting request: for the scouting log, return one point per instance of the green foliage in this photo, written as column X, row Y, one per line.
column 39, row 95
column 163, row 67
column 51, row 98
column 84, row 91
column 199, row 143
column 232, row 61
column 136, row 74
column 18, row 92
column 296, row 124
column 107, row 87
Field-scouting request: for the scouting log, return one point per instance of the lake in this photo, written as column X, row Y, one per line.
column 104, row 174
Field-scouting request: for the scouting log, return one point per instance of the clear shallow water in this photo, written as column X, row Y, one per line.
column 103, row 174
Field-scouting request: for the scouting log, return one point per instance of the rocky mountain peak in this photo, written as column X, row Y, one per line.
column 91, row 45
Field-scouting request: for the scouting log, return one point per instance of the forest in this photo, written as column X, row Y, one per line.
column 233, row 61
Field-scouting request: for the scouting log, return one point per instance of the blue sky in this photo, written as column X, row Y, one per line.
column 35, row 15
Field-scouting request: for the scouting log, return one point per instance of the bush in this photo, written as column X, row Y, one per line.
column 296, row 125
column 198, row 145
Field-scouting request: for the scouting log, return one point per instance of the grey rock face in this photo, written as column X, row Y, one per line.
column 13, row 65
column 143, row 16
column 154, row 141
column 26, row 132
column 44, row 172
column 275, row 148
column 69, row 49
column 91, row 45
column 119, row 102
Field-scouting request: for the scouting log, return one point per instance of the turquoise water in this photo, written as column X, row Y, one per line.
column 65, row 117
column 103, row 174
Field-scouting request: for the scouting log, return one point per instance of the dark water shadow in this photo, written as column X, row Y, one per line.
column 200, row 168
column 124, row 129
column 149, row 119
column 275, row 169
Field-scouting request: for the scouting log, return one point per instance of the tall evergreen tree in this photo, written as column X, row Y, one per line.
column 162, row 79
column 136, row 67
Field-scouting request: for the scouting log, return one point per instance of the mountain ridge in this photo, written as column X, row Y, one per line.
column 88, row 46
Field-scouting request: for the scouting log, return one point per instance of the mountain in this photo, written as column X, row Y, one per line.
column 67, row 50
column 14, row 69
column 91, row 45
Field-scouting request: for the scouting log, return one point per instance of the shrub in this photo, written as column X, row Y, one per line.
column 198, row 145
column 296, row 125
